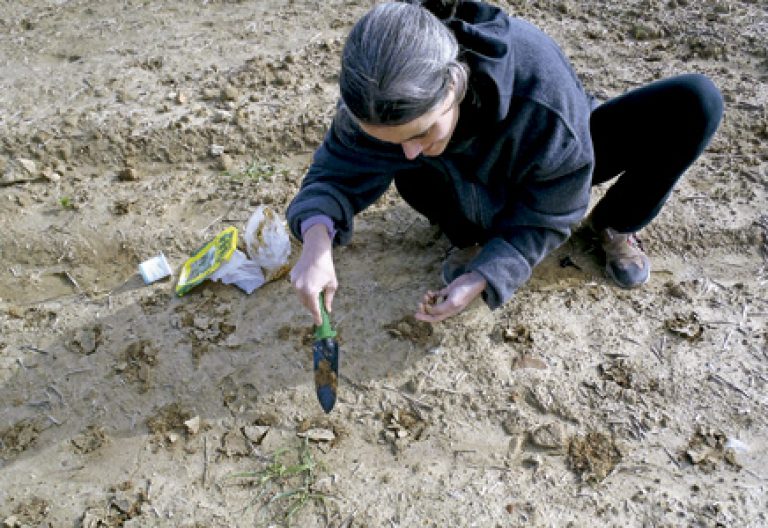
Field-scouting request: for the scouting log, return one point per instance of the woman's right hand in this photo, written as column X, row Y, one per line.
column 314, row 271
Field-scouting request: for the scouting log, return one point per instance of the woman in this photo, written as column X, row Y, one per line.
column 486, row 130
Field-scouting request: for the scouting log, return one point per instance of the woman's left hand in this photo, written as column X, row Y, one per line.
column 439, row 305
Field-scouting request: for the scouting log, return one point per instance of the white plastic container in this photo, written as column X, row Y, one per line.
column 154, row 269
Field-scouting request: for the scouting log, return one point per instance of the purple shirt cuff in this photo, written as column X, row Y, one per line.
column 318, row 219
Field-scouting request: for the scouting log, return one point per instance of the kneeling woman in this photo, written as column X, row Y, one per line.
column 482, row 124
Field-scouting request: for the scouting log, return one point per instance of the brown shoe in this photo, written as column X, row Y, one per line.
column 625, row 261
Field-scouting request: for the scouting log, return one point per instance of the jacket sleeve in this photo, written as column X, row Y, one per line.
column 349, row 172
column 550, row 195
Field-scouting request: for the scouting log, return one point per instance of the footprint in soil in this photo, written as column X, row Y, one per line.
column 89, row 440
column 168, row 423
column 31, row 512
column 410, row 329
column 402, row 427
column 19, row 437
column 593, row 456
column 708, row 447
column 136, row 363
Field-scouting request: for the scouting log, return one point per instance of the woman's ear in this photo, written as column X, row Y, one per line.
column 458, row 81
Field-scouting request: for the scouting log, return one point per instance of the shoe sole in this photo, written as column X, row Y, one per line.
column 616, row 281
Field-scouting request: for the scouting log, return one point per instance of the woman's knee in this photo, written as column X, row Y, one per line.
column 703, row 102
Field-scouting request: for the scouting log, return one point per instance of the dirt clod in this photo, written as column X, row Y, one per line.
column 593, row 456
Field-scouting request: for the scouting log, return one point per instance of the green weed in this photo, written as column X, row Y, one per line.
column 285, row 489
column 257, row 170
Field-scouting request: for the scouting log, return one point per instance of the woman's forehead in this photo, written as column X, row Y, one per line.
column 414, row 128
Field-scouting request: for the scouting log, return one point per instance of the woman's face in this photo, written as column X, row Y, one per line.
column 428, row 134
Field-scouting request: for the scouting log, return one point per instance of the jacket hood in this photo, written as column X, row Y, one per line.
column 484, row 33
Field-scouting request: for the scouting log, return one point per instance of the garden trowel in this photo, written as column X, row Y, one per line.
column 325, row 353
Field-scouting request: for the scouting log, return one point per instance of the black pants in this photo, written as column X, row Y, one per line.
column 650, row 136
column 647, row 137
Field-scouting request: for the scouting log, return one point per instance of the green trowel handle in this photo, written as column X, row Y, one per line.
column 324, row 330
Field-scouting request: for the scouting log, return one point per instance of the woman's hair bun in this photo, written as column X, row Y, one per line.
column 442, row 9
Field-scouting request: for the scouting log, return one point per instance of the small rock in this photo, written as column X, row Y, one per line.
column 172, row 438
column 210, row 93
column 28, row 165
column 256, row 433
column 182, row 98
column 516, row 444
column 222, row 116
column 549, row 436
column 229, row 93
column 318, row 435
column 225, row 162
column 71, row 120
column 94, row 518
column 325, row 485
column 15, row 311
column 193, row 425
column 11, row 522
column 216, row 150
column 128, row 174
column 528, row 362
column 697, row 456
column 51, row 175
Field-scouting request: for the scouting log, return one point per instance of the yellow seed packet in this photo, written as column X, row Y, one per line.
column 207, row 260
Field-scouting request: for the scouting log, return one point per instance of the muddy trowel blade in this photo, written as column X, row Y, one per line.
column 325, row 354
column 326, row 359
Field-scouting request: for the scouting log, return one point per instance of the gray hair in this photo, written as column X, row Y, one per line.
column 398, row 63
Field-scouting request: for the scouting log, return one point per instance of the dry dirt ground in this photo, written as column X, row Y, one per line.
column 128, row 128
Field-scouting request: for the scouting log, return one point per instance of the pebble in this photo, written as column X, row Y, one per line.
column 51, row 175
column 229, row 93
column 222, row 116
column 210, row 93
column 128, row 174
column 28, row 165
column 549, row 436
column 193, row 425
column 256, row 433
column 216, row 150
column 318, row 435
column 225, row 162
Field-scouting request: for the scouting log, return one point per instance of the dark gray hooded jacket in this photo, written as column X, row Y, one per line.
column 520, row 158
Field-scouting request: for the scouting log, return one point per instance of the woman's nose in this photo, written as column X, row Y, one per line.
column 412, row 149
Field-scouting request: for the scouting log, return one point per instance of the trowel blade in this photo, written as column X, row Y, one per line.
column 325, row 354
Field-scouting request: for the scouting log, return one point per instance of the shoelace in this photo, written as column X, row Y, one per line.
column 634, row 241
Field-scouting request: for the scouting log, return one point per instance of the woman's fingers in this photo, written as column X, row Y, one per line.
column 312, row 302
column 330, row 293
column 436, row 308
column 445, row 303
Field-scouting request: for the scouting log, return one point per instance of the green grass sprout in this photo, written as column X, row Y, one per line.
column 257, row 170
column 286, row 489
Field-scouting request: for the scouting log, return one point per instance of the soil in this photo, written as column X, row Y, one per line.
column 132, row 128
